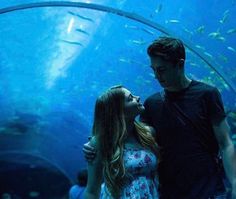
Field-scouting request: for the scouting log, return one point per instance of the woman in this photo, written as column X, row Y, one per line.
column 126, row 151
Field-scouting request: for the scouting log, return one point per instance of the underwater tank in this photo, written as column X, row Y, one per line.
column 57, row 57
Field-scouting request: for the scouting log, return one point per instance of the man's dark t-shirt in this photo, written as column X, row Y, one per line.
column 187, row 146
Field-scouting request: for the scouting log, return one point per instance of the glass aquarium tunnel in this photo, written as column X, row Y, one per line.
column 57, row 57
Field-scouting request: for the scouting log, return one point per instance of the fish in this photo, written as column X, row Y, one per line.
column 72, row 42
column 225, row 16
column 131, row 27
column 208, row 54
column 82, row 31
column 217, row 35
column 138, row 42
column 188, row 31
column 172, row 21
column 231, row 31
column 221, row 38
column 159, row 8
column 193, row 64
column 81, row 17
column 214, row 34
column 212, row 73
column 223, row 58
column 147, row 31
column 231, row 49
column 124, row 60
column 200, row 47
column 200, row 29
column 226, row 12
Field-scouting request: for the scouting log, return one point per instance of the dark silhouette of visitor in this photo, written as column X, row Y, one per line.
column 77, row 190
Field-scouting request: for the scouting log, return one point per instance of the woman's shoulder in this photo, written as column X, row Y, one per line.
column 149, row 129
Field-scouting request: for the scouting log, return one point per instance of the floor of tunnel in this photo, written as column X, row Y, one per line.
column 26, row 182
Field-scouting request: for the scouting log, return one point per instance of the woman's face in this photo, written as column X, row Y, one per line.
column 132, row 105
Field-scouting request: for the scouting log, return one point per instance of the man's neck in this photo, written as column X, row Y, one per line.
column 183, row 83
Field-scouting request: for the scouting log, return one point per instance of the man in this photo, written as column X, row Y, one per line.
column 191, row 127
column 189, row 119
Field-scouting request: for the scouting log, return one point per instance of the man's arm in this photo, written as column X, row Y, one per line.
column 221, row 131
column 95, row 175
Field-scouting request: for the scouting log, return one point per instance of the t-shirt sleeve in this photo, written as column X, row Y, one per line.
column 215, row 106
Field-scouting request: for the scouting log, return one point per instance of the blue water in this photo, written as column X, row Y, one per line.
column 54, row 64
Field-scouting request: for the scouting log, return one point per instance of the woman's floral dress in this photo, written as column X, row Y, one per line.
column 141, row 164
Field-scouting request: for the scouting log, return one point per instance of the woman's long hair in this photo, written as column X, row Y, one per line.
column 109, row 128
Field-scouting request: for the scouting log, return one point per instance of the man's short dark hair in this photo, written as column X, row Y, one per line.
column 169, row 48
column 82, row 177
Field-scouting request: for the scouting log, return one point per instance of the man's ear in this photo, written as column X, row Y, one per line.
column 181, row 63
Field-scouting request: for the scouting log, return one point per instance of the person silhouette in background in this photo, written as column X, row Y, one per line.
column 77, row 190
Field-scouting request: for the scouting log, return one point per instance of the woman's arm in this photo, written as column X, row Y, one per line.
column 95, row 174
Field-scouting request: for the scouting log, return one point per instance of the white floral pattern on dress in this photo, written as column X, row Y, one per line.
column 142, row 165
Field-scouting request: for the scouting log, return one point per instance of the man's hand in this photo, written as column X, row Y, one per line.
column 89, row 152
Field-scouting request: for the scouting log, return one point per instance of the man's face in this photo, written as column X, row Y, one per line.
column 165, row 72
